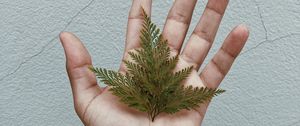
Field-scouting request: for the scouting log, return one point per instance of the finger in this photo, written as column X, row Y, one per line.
column 178, row 22
column 83, row 81
column 134, row 26
column 204, row 33
column 218, row 67
column 215, row 71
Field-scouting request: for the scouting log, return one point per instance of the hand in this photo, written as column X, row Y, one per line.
column 96, row 106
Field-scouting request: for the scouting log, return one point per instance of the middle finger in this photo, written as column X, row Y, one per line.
column 203, row 36
column 178, row 22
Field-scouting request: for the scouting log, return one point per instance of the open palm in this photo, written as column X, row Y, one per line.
column 96, row 106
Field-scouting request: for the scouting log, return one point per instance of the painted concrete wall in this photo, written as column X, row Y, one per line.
column 262, row 88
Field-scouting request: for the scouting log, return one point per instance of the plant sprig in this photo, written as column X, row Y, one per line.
column 150, row 83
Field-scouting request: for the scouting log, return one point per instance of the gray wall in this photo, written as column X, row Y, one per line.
column 262, row 88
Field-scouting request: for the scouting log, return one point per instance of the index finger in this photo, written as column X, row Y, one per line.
column 134, row 26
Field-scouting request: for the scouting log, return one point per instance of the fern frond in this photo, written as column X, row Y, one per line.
column 190, row 98
column 150, row 83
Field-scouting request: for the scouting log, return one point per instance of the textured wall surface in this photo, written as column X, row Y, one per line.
column 262, row 87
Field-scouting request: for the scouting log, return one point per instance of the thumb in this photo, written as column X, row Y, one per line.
column 83, row 81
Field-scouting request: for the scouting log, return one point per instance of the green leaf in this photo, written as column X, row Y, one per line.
column 150, row 84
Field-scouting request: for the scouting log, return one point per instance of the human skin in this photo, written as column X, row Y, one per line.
column 96, row 106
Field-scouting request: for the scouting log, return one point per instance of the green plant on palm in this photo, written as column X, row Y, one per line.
column 150, row 83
